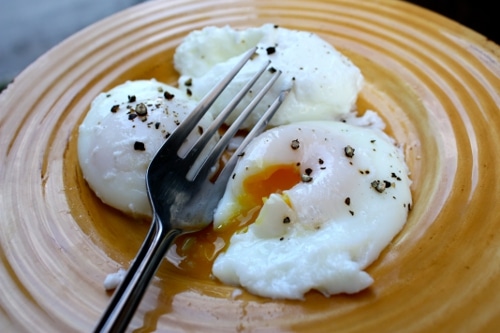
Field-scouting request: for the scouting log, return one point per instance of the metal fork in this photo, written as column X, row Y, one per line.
column 182, row 196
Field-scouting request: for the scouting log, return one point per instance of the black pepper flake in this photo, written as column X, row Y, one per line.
column 157, row 125
column 282, row 238
column 393, row 175
column 286, row 220
column 177, row 122
column 132, row 116
column 347, row 201
column 168, row 96
column 271, row 50
column 138, row 145
column 409, row 207
column 234, row 175
column 306, row 178
column 373, row 141
column 352, row 213
column 322, row 168
column 349, row 151
column 115, row 108
column 167, row 135
column 276, row 26
column 295, row 144
column 320, row 161
column 272, row 70
column 380, row 185
column 308, row 171
column 189, row 92
column 297, row 164
column 200, row 130
column 188, row 82
column 141, row 109
column 131, row 98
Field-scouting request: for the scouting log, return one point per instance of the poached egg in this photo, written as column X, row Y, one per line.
column 122, row 132
column 325, row 83
column 316, row 203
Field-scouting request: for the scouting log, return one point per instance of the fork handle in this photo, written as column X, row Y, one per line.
column 129, row 294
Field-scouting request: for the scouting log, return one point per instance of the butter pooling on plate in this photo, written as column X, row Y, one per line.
column 314, row 200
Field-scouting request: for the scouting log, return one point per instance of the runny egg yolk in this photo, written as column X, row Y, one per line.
column 273, row 179
column 200, row 249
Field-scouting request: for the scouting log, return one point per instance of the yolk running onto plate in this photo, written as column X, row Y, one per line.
column 199, row 250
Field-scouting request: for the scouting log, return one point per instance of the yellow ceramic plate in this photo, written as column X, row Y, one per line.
column 435, row 82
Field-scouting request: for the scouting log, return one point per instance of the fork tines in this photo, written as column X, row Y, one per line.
column 201, row 165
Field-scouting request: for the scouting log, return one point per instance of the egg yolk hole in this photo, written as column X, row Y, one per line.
column 273, row 179
column 199, row 250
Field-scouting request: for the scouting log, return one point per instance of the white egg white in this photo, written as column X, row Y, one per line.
column 323, row 232
column 325, row 83
column 110, row 152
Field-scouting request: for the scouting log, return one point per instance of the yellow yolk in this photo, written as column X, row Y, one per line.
column 200, row 249
column 273, row 179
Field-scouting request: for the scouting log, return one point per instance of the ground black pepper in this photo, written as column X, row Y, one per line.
column 271, row 50
column 141, row 109
column 138, row 145
column 168, row 96
column 349, row 151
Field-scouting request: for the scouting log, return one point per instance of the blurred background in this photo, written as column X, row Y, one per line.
column 28, row 28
